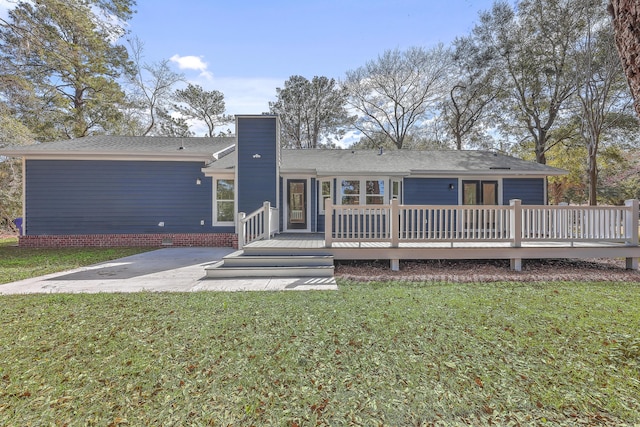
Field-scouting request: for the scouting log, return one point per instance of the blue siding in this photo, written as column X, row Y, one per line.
column 430, row 191
column 257, row 177
column 529, row 190
column 104, row 197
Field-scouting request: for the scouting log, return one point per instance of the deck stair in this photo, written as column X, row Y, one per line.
column 272, row 262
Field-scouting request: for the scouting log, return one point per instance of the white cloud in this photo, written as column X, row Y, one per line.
column 5, row 6
column 191, row 62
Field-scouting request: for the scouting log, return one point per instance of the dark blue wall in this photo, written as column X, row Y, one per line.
column 257, row 177
column 430, row 191
column 104, row 197
column 529, row 190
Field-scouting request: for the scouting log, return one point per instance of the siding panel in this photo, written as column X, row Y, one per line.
column 529, row 190
column 430, row 191
column 257, row 176
column 105, row 197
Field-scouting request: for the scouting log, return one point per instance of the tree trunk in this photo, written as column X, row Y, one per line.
column 541, row 146
column 593, row 175
column 626, row 25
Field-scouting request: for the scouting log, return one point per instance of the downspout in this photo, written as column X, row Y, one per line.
column 24, row 198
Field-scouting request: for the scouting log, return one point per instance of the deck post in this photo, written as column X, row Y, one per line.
column 266, row 219
column 328, row 222
column 240, row 229
column 631, row 222
column 516, row 231
column 631, row 226
column 394, row 223
column 516, row 222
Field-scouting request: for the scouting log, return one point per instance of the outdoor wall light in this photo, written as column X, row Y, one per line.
column 451, row 187
column 161, row 224
column 257, row 156
column 198, row 181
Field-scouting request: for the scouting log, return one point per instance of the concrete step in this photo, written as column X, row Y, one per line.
column 277, row 261
column 284, row 251
column 220, row 270
column 242, row 264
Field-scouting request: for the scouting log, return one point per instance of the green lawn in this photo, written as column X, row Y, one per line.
column 22, row 263
column 376, row 354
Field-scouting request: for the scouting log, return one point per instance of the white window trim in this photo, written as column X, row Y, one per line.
column 400, row 187
column 363, row 188
column 215, row 221
column 481, row 178
column 320, row 195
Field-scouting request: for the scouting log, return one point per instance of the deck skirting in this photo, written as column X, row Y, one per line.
column 286, row 243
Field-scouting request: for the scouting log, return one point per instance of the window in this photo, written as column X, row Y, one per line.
column 324, row 193
column 396, row 189
column 362, row 192
column 224, row 203
column 479, row 192
column 350, row 192
column 375, row 192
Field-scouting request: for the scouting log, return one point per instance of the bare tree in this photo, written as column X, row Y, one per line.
column 602, row 93
column 198, row 104
column 535, row 46
column 152, row 87
column 393, row 94
column 313, row 113
column 476, row 86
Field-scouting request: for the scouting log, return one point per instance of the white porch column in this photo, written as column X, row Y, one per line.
column 631, row 222
column 516, row 222
column 394, row 223
column 516, row 231
column 328, row 222
column 631, row 226
column 240, row 229
column 266, row 219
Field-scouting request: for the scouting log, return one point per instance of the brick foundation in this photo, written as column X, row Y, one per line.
column 227, row 240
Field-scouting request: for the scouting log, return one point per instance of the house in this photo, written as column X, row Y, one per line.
column 107, row 186
column 114, row 191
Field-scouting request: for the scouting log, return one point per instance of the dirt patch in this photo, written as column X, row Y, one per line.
column 546, row 270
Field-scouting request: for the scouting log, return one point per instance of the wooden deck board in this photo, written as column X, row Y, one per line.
column 316, row 241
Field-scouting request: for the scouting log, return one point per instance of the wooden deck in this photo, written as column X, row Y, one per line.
column 364, row 250
column 400, row 232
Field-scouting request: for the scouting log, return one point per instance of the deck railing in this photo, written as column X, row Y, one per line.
column 261, row 224
column 515, row 223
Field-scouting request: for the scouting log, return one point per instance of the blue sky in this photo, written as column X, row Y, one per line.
column 246, row 49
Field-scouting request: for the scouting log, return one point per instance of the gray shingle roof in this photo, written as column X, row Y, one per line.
column 399, row 162
column 363, row 162
column 316, row 162
column 126, row 145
